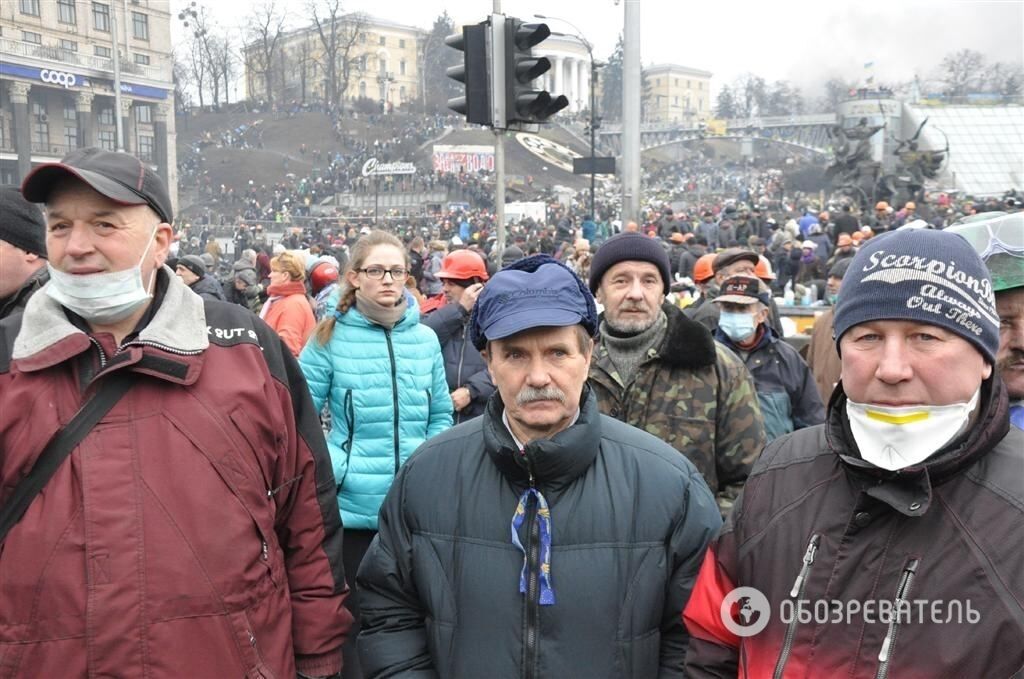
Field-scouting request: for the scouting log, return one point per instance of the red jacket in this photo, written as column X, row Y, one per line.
column 194, row 532
column 290, row 314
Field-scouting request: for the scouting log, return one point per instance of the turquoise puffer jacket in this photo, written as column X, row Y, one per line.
column 387, row 394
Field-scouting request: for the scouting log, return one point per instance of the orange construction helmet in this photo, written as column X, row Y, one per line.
column 763, row 270
column 462, row 265
column 704, row 269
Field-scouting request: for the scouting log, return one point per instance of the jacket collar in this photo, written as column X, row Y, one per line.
column 688, row 344
column 178, row 328
column 909, row 490
column 38, row 278
column 409, row 318
column 555, row 462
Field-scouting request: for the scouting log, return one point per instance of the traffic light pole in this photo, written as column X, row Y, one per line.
column 498, row 116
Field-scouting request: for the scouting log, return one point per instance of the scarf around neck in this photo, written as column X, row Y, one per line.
column 385, row 316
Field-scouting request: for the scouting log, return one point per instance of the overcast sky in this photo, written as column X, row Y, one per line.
column 805, row 41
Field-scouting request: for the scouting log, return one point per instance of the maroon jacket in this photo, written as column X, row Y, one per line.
column 834, row 544
column 194, row 532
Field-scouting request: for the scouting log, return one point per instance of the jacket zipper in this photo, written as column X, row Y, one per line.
column 458, row 380
column 797, row 593
column 162, row 347
column 902, row 590
column 532, row 585
column 103, row 354
column 394, row 394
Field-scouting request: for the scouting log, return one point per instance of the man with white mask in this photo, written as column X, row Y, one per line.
column 159, row 515
column 885, row 542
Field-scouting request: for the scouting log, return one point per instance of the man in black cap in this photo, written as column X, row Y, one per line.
column 606, row 521
column 195, row 525
column 191, row 269
column 656, row 369
column 728, row 263
column 22, row 250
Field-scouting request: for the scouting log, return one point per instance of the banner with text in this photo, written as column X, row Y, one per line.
column 464, row 158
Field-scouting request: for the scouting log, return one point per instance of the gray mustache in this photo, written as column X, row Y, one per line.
column 530, row 394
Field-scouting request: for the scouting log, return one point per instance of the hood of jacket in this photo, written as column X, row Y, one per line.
column 48, row 338
column 913, row 486
column 554, row 462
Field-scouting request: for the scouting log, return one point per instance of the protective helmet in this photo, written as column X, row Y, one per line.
column 999, row 238
column 461, row 265
column 881, row 205
column 911, row 205
column 323, row 274
column 763, row 270
column 703, row 269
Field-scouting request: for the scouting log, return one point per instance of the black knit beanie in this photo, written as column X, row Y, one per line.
column 629, row 246
column 21, row 222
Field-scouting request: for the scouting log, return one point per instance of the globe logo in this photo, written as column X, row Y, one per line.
column 745, row 611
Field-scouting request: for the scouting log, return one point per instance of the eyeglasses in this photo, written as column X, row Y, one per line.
column 377, row 272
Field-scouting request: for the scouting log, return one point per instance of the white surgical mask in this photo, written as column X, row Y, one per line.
column 102, row 298
column 897, row 438
column 738, row 325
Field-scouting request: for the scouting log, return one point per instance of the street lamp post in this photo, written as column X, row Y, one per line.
column 593, row 104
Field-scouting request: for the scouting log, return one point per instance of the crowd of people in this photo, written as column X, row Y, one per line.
column 561, row 455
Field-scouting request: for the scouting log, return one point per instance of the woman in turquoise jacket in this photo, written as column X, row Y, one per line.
column 382, row 376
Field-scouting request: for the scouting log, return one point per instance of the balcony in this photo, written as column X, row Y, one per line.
column 16, row 48
column 48, row 149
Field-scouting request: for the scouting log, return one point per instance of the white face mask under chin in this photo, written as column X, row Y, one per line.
column 897, row 438
column 103, row 298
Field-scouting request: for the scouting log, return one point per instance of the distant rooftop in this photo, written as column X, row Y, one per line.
column 677, row 68
column 986, row 145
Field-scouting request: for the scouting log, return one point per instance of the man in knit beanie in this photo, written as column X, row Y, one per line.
column 656, row 369
column 913, row 488
column 22, row 250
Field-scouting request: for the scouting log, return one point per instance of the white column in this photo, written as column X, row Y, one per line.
column 584, row 82
column 557, row 85
column 574, row 85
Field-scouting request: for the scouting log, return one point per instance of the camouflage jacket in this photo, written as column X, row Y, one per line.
column 695, row 395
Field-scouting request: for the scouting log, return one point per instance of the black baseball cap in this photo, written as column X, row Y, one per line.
column 741, row 289
column 121, row 177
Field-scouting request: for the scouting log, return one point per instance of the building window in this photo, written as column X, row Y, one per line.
column 362, row 38
column 401, row 44
column 143, row 113
column 401, row 67
column 675, row 101
column 106, row 116
column 401, row 94
column 30, row 7
column 69, row 111
column 41, row 132
column 66, row 12
column 383, row 64
column 101, row 17
column 106, row 139
column 34, row 38
column 38, row 109
column 71, row 138
column 69, row 45
column 362, row 88
column 146, row 147
column 142, row 59
column 140, row 26
column 101, row 51
column 383, row 41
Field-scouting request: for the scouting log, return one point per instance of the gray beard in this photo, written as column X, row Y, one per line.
column 630, row 327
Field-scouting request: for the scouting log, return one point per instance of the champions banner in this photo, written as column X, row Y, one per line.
column 463, row 158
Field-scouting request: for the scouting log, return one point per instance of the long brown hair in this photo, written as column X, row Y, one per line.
column 357, row 258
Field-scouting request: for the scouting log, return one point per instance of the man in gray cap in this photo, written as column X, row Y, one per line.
column 541, row 539
column 179, row 509
column 22, row 250
column 191, row 269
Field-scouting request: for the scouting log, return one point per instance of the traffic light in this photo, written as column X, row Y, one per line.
column 476, row 104
column 523, row 104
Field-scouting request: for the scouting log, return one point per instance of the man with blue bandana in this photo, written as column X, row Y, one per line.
column 541, row 539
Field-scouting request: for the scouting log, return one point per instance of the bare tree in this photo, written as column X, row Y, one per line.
column 962, row 72
column 222, row 62
column 182, row 77
column 339, row 33
column 264, row 28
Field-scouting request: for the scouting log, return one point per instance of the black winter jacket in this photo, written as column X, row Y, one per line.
column 823, row 534
column 209, row 288
column 439, row 586
column 463, row 364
